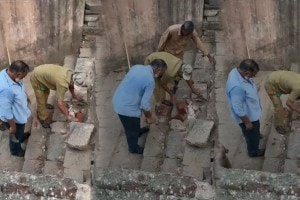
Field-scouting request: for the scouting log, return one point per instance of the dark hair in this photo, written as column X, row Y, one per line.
column 249, row 65
column 188, row 26
column 19, row 67
column 159, row 63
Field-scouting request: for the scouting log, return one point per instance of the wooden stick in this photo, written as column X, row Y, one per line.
column 127, row 55
column 9, row 61
column 248, row 53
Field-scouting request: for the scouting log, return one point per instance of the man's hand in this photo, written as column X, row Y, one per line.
column 77, row 97
column 13, row 130
column 249, row 126
column 72, row 119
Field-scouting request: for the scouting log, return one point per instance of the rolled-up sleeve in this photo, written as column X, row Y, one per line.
column 146, row 98
column 237, row 97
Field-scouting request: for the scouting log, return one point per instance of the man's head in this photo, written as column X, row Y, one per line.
column 187, row 70
column 187, row 28
column 159, row 67
column 248, row 68
column 18, row 70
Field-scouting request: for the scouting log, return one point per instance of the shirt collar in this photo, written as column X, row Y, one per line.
column 241, row 79
column 8, row 79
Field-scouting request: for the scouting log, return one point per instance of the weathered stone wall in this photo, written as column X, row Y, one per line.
column 140, row 24
column 269, row 29
column 40, row 31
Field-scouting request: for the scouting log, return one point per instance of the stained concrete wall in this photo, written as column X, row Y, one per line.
column 40, row 31
column 269, row 29
column 140, row 24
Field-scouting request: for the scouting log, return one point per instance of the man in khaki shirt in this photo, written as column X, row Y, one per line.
column 278, row 83
column 51, row 77
column 175, row 40
column 176, row 68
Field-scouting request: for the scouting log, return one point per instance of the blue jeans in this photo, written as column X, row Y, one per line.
column 15, row 147
column 252, row 137
column 132, row 130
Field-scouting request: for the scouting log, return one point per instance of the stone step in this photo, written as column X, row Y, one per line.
column 293, row 147
column 87, row 30
column 91, row 18
column 93, row 5
column 217, row 26
column 56, row 147
column 211, row 12
column 155, row 143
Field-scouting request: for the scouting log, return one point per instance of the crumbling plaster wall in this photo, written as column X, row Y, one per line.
column 140, row 24
column 39, row 31
column 269, row 29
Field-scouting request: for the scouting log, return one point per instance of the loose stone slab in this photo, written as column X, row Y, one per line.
column 200, row 133
column 77, row 159
column 80, row 135
column 59, row 127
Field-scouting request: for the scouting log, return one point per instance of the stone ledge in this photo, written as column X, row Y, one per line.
column 21, row 186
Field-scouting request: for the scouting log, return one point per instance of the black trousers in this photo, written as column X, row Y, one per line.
column 15, row 147
column 251, row 137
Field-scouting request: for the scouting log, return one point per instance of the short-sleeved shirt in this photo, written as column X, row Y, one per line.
column 13, row 100
column 134, row 92
column 173, row 42
column 286, row 82
column 173, row 64
column 54, row 77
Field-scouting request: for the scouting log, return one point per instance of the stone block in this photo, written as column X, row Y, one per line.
column 203, row 89
column 58, row 116
column 211, row 12
column 59, row 127
column 151, row 164
column 175, row 145
column 154, row 145
column 86, row 53
column 200, row 133
column 80, row 135
column 56, row 148
column 81, row 91
column 213, row 19
column 36, row 147
column 171, row 165
column 93, row 5
column 93, row 24
column 53, row 168
column 291, row 166
column 273, row 165
column 70, row 61
column 87, row 30
column 196, row 157
column 33, row 166
column 77, row 159
column 85, row 64
column 295, row 125
column 293, row 150
column 193, row 171
column 275, row 147
column 177, row 125
column 74, row 174
column 91, row 18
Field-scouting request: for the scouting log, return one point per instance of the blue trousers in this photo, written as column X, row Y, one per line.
column 132, row 129
column 251, row 137
column 15, row 147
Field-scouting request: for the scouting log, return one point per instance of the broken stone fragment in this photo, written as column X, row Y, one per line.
column 200, row 132
column 80, row 134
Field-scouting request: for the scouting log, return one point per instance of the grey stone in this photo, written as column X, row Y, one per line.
column 87, row 30
column 86, row 53
column 295, row 126
column 80, row 134
column 93, row 24
column 36, row 147
column 56, row 148
column 203, row 89
column 77, row 159
column 196, row 157
column 220, row 49
column 273, row 165
column 294, row 145
column 74, row 173
column 200, row 133
column 59, row 127
column 175, row 144
column 151, row 164
column 213, row 19
column 33, row 166
column 53, row 168
column 211, row 13
column 70, row 61
column 93, row 5
column 193, row 171
column 291, row 166
column 171, row 165
column 58, row 116
column 155, row 142
column 275, row 147
column 91, row 18
column 177, row 125
column 103, row 97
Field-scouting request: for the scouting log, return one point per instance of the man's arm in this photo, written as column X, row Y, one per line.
column 291, row 104
column 146, row 102
column 163, row 40
column 72, row 91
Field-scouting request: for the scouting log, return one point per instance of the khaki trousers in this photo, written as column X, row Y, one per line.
column 277, row 103
column 41, row 94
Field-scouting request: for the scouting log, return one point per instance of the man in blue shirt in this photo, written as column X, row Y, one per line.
column 132, row 98
column 244, row 103
column 14, row 110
